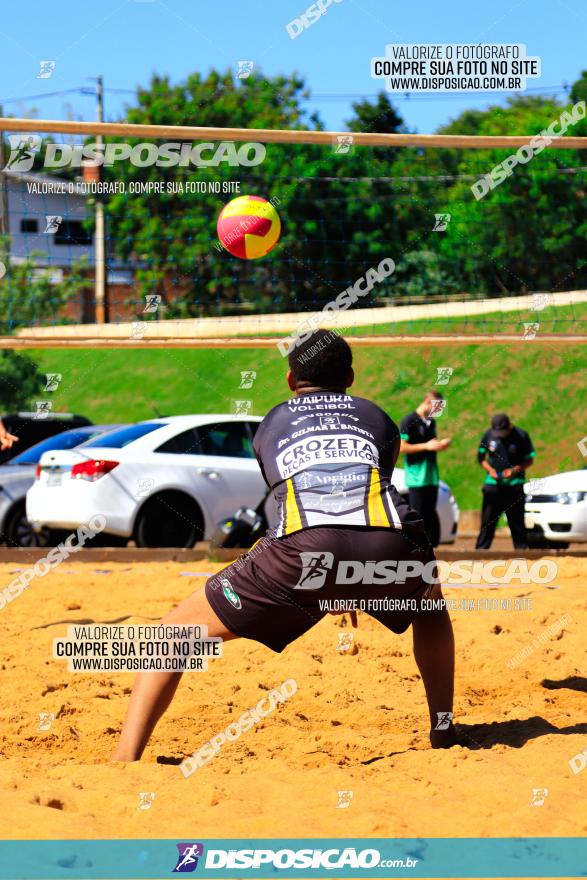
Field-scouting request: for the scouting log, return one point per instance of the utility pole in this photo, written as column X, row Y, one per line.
column 100, row 244
column 3, row 188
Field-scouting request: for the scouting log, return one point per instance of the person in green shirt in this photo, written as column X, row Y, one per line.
column 420, row 445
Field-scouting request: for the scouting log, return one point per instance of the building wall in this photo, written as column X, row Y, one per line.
column 25, row 205
column 123, row 300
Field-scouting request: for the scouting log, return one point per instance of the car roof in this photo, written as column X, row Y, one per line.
column 201, row 419
column 91, row 429
column 83, row 429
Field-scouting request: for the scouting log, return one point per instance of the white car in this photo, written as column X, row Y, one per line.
column 447, row 509
column 556, row 509
column 166, row 482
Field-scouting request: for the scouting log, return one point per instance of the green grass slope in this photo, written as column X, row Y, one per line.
column 542, row 387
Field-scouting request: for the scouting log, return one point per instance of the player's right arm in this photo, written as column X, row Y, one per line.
column 406, row 446
column 433, row 445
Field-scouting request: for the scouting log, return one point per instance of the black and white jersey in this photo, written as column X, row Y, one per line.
column 329, row 458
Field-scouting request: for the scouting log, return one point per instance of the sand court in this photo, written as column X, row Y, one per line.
column 357, row 722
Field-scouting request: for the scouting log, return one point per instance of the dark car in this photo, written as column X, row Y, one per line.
column 32, row 427
column 18, row 475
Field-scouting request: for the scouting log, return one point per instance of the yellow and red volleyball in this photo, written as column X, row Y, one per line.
column 249, row 227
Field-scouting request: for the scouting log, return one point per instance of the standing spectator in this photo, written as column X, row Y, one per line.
column 505, row 452
column 419, row 443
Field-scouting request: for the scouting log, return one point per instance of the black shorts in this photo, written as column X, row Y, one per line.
column 282, row 587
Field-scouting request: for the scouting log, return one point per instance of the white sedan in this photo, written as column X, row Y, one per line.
column 447, row 509
column 166, row 482
column 556, row 509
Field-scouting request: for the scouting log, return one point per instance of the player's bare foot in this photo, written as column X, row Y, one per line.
column 444, row 739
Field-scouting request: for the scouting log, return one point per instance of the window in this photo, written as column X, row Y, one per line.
column 29, row 226
column 66, row 440
column 185, row 443
column 120, row 276
column 72, row 232
column 231, row 439
column 123, row 436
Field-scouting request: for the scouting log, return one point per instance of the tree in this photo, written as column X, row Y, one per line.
column 29, row 295
column 423, row 273
column 325, row 222
column 172, row 236
column 528, row 233
column 20, row 380
column 579, row 88
column 380, row 116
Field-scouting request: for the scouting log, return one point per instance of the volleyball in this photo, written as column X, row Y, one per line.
column 249, row 227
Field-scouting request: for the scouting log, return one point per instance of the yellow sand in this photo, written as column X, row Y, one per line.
column 358, row 723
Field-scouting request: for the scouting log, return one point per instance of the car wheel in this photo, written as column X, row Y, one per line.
column 20, row 533
column 105, row 540
column 537, row 541
column 171, row 519
column 545, row 544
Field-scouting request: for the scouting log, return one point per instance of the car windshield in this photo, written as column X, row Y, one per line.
column 123, row 436
column 66, row 440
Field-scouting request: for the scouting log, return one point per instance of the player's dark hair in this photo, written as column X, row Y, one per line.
column 436, row 395
column 322, row 360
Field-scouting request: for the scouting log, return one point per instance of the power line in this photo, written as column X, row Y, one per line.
column 327, row 96
column 80, row 90
column 429, row 96
column 39, row 97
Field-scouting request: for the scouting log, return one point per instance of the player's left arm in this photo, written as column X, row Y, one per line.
column 517, row 469
column 529, row 455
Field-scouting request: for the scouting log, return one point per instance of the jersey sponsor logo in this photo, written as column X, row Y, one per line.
column 321, row 417
column 324, row 450
column 230, row 594
column 314, row 404
column 314, row 429
column 330, row 493
column 319, row 429
column 325, row 479
column 331, row 421
column 338, row 501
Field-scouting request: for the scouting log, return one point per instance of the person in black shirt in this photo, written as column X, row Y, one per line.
column 329, row 459
column 505, row 452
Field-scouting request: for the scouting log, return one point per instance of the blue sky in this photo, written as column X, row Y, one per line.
column 128, row 40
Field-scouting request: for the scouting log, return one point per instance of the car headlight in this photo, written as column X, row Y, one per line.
column 570, row 497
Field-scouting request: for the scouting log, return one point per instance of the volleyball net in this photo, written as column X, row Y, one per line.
column 380, row 234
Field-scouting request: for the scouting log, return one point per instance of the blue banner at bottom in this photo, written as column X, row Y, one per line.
column 494, row 858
